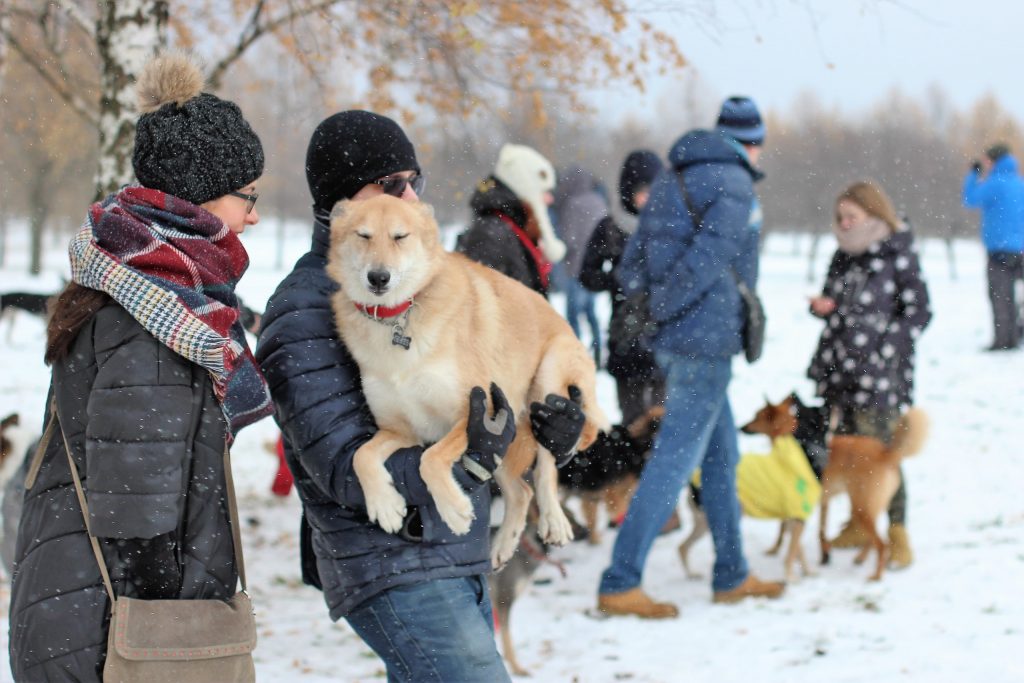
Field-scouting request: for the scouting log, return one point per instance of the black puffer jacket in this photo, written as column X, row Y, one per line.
column 320, row 407
column 147, row 436
column 489, row 239
column 626, row 357
column 865, row 357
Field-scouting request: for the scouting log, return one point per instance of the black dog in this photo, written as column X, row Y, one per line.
column 24, row 301
column 609, row 470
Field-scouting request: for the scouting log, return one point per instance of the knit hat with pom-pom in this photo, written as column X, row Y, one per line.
column 188, row 143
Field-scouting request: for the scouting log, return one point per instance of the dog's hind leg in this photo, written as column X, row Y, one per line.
column 876, row 541
column 553, row 526
column 795, row 552
column 590, row 503
column 700, row 528
column 516, row 494
column 774, row 550
column 384, row 504
column 453, row 505
column 826, row 547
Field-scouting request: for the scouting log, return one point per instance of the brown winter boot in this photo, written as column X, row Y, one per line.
column 900, row 554
column 752, row 587
column 851, row 536
column 635, row 602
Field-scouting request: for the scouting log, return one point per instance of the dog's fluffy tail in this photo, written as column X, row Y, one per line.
column 910, row 434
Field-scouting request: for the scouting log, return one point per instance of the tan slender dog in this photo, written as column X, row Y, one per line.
column 869, row 470
column 425, row 326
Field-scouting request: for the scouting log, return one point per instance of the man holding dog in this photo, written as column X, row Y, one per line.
column 418, row 598
column 688, row 265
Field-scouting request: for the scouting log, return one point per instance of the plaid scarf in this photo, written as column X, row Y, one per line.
column 173, row 266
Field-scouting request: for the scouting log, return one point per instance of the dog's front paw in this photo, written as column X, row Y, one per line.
column 457, row 513
column 554, row 527
column 387, row 508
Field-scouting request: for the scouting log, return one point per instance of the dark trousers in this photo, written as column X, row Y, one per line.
column 637, row 396
column 1005, row 270
column 880, row 424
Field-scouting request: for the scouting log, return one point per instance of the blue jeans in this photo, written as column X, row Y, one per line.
column 578, row 301
column 438, row 631
column 697, row 431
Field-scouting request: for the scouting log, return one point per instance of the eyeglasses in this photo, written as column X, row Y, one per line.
column 395, row 185
column 250, row 199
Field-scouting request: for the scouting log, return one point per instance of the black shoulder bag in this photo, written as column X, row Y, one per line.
column 753, row 311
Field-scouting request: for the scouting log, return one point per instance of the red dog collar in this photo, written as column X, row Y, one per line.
column 381, row 312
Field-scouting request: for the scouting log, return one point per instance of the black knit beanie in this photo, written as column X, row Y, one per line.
column 351, row 149
column 638, row 170
column 188, row 143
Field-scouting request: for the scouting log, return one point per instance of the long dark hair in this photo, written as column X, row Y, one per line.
column 69, row 312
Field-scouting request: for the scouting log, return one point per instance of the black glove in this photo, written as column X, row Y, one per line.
column 557, row 424
column 976, row 166
column 488, row 438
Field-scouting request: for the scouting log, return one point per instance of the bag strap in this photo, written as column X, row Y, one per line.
column 236, row 536
column 44, row 443
column 698, row 219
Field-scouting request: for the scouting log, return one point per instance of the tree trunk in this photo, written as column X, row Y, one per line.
column 39, row 208
column 128, row 33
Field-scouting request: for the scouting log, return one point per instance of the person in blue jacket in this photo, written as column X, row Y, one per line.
column 418, row 598
column 688, row 265
column 994, row 185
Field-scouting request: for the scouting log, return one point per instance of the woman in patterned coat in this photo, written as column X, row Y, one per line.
column 875, row 306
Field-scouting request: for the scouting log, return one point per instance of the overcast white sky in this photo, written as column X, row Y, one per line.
column 849, row 52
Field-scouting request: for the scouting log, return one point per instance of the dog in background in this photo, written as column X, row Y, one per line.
column 425, row 326
column 26, row 302
column 509, row 582
column 782, row 485
column 608, row 472
column 869, row 471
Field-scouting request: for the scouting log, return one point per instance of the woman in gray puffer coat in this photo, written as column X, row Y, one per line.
column 151, row 379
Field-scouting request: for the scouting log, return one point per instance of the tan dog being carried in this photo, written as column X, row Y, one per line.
column 425, row 326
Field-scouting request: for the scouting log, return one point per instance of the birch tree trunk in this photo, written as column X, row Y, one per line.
column 128, row 33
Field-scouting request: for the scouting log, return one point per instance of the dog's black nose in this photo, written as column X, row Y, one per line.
column 378, row 279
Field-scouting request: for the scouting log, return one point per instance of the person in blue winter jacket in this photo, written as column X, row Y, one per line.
column 418, row 598
column 688, row 265
column 995, row 186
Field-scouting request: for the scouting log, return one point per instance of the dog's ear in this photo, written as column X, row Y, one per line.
column 339, row 209
column 9, row 421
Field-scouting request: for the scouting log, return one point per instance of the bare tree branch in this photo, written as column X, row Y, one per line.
column 254, row 30
column 79, row 17
column 77, row 104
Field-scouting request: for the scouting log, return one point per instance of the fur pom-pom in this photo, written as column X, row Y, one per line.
column 169, row 77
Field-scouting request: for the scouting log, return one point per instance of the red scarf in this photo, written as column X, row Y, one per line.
column 543, row 265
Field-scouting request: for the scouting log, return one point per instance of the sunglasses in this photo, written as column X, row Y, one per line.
column 395, row 185
column 250, row 199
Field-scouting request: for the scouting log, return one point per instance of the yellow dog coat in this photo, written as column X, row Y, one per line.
column 779, row 485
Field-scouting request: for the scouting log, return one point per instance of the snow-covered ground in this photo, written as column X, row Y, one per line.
column 956, row 615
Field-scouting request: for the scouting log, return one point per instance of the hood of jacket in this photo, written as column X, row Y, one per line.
column 493, row 196
column 709, row 146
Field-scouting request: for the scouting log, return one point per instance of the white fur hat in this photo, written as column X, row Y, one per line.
column 529, row 175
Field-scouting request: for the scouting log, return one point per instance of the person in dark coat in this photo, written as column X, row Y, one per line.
column 687, row 260
column 418, row 598
column 639, row 382
column 151, row 380
column 511, row 229
column 875, row 305
column 578, row 208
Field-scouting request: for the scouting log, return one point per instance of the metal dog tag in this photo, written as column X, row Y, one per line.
column 398, row 337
